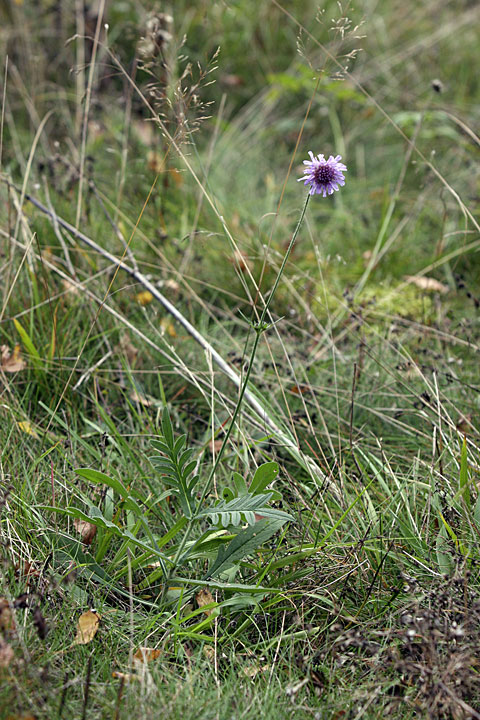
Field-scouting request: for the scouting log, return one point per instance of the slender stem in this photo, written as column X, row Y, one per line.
column 259, row 328
column 287, row 254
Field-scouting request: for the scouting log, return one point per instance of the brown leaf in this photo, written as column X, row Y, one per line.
column 40, row 623
column 146, row 654
column 144, row 130
column 204, row 597
column 252, row 671
column 86, row 530
column 427, row 283
column 126, row 347
column 70, row 287
column 127, row 677
column 155, row 162
column 215, row 445
column 241, row 260
column 6, row 654
column 209, row 652
column 87, row 627
column 140, row 399
column 6, row 617
column 231, row 80
column 11, row 362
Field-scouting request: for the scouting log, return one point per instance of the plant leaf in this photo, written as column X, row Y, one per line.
column 264, row 475
column 243, row 544
column 99, row 478
column 243, row 508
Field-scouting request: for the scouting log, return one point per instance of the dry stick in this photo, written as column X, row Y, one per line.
column 307, row 462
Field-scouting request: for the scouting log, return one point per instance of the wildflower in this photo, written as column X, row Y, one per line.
column 323, row 176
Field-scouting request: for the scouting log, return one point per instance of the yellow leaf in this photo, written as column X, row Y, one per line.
column 26, row 427
column 204, row 597
column 87, row 627
column 168, row 327
column 145, row 654
column 144, row 298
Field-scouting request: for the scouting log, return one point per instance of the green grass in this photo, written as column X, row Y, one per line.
column 370, row 608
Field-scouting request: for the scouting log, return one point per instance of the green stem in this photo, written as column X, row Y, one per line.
column 260, row 327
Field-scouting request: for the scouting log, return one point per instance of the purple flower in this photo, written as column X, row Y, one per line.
column 323, row 176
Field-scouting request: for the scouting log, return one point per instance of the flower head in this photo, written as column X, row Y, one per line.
column 323, row 176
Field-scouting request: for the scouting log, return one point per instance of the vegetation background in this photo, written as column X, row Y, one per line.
column 171, row 135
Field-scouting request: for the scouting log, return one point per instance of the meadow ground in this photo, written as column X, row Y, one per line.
column 223, row 496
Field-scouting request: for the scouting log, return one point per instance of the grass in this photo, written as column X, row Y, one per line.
column 367, row 605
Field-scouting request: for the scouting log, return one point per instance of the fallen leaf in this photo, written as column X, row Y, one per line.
column 127, row 677
column 26, row 427
column 241, row 260
column 144, row 130
column 209, row 652
column 299, row 389
column 144, row 298
column 252, row 671
column 145, row 654
column 215, row 445
column 40, row 623
column 155, row 162
column 6, row 654
column 70, row 287
column 86, row 530
column 140, row 399
column 172, row 284
column 204, row 597
column 6, row 616
column 427, row 283
column 168, row 327
column 87, row 627
column 176, row 176
column 231, row 80
column 11, row 362
column 126, row 347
